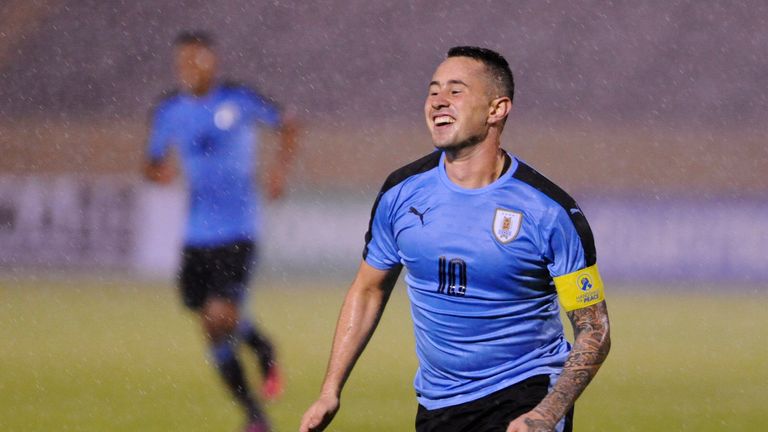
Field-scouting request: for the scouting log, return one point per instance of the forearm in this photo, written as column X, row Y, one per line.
column 276, row 175
column 592, row 341
column 288, row 143
column 358, row 318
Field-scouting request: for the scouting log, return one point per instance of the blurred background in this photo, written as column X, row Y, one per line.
column 652, row 114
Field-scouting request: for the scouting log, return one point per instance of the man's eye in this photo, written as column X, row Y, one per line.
column 455, row 91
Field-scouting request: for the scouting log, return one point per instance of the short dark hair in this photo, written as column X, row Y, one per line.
column 495, row 63
column 194, row 37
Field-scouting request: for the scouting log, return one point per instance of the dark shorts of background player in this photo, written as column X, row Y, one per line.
column 216, row 272
column 492, row 413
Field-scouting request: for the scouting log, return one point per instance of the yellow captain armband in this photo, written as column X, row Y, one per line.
column 580, row 289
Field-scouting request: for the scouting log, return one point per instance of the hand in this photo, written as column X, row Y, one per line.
column 531, row 422
column 320, row 414
column 162, row 172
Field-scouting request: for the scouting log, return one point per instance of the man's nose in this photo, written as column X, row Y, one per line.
column 438, row 101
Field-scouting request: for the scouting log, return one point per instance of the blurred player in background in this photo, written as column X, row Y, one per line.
column 491, row 247
column 213, row 127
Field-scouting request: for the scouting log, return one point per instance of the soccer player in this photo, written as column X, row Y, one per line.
column 213, row 127
column 493, row 249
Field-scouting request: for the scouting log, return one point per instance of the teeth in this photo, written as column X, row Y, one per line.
column 441, row 120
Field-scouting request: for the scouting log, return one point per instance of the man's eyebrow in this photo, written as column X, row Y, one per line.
column 453, row 81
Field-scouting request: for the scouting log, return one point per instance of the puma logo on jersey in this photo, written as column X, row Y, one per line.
column 419, row 214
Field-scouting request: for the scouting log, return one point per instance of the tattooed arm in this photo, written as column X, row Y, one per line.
column 592, row 341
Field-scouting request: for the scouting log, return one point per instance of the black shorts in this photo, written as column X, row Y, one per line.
column 492, row 413
column 220, row 272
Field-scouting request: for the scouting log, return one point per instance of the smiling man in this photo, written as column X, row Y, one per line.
column 493, row 250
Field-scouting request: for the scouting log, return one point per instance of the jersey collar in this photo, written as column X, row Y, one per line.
column 496, row 184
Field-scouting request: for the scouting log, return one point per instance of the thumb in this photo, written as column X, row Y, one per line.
column 308, row 423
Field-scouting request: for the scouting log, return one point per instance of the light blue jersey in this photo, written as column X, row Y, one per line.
column 216, row 138
column 480, row 267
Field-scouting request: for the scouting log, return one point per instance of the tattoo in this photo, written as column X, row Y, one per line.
column 537, row 425
column 592, row 341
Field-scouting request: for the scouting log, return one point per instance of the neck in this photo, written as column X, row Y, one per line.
column 476, row 166
column 202, row 89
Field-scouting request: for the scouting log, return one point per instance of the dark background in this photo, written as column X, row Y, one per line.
column 651, row 97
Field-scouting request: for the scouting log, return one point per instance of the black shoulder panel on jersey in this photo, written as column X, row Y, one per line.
column 533, row 178
column 398, row 176
column 232, row 84
column 419, row 166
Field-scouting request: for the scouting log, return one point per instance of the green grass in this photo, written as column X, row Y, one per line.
column 124, row 356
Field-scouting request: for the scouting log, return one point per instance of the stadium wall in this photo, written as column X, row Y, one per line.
column 109, row 223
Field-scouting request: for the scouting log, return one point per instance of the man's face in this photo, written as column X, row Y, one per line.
column 458, row 103
column 195, row 67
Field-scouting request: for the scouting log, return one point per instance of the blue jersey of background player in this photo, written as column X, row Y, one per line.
column 213, row 128
column 214, row 136
column 492, row 249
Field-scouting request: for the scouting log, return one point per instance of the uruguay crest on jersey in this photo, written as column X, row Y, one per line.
column 506, row 225
column 227, row 114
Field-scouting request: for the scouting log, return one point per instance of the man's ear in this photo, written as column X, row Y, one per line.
column 499, row 110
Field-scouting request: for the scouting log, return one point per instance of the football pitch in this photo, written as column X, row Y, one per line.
column 110, row 355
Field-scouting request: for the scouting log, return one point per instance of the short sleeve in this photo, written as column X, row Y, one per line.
column 257, row 108
column 565, row 247
column 572, row 257
column 381, row 250
column 160, row 135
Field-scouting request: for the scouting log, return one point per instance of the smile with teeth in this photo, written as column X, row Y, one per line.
column 444, row 120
